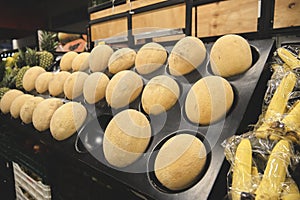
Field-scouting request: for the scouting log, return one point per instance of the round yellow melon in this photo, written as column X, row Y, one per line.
column 67, row 119
column 43, row 112
column 99, row 57
column 66, row 60
column 30, row 76
column 150, row 58
column 56, row 85
column 230, row 55
column 17, row 104
column 126, row 138
column 73, row 86
column 121, row 59
column 160, row 94
column 209, row 100
column 28, row 108
column 94, row 87
column 187, row 54
column 8, row 98
column 180, row 161
column 123, row 89
column 81, row 62
column 42, row 82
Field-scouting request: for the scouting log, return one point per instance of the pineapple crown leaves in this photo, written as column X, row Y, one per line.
column 9, row 77
column 20, row 60
column 48, row 41
column 31, row 57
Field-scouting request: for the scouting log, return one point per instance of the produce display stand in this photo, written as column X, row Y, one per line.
column 59, row 164
column 73, row 175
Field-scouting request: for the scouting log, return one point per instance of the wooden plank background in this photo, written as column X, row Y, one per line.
column 232, row 16
column 123, row 8
column 169, row 17
column 286, row 13
column 109, row 29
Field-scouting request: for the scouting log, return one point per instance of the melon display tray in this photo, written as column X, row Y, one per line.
column 86, row 147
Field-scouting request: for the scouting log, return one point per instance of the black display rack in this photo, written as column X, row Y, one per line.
column 80, row 176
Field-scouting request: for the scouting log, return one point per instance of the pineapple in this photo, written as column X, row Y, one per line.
column 31, row 57
column 20, row 58
column 19, row 77
column 9, row 79
column 3, row 90
column 10, row 62
column 46, row 59
column 48, row 44
column 48, row 41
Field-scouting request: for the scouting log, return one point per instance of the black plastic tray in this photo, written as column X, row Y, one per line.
column 138, row 176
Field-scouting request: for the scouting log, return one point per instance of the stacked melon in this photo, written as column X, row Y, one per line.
column 128, row 134
column 62, row 119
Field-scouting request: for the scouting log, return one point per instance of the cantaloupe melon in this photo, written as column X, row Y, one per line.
column 121, row 59
column 73, row 86
column 30, row 77
column 126, row 138
column 230, row 55
column 43, row 112
column 180, row 161
column 8, row 98
column 56, row 85
column 42, row 82
column 81, row 62
column 123, row 88
column 187, row 54
column 28, row 108
column 160, row 94
column 66, row 60
column 209, row 100
column 150, row 57
column 99, row 57
column 94, row 87
column 17, row 104
column 67, row 119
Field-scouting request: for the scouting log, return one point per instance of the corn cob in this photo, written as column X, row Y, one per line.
column 289, row 58
column 290, row 191
column 241, row 177
column 275, row 172
column 278, row 103
column 255, row 177
column 292, row 120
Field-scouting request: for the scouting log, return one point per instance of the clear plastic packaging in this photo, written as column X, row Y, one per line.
column 264, row 160
column 262, row 169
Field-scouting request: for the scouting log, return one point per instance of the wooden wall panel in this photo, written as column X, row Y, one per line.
column 109, row 29
column 232, row 16
column 169, row 17
column 123, row 8
column 194, row 21
column 286, row 13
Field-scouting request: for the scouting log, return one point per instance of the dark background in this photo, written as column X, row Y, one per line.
column 21, row 19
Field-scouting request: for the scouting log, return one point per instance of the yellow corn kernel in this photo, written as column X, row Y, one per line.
column 241, row 177
column 275, row 173
column 289, row 58
column 278, row 104
column 290, row 191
